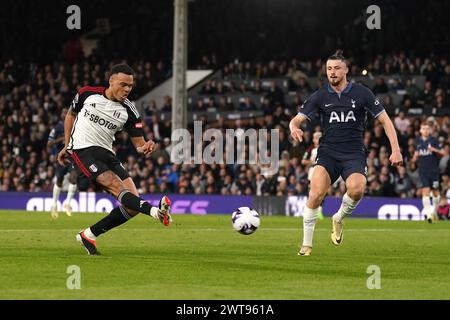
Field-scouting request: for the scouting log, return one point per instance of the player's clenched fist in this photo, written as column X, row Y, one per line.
column 147, row 148
column 396, row 158
column 63, row 157
column 297, row 134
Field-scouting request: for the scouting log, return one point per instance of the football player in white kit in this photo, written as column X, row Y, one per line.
column 96, row 114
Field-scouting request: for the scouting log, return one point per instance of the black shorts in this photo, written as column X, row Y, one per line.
column 342, row 164
column 429, row 179
column 93, row 161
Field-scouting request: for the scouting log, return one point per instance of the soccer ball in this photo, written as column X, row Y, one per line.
column 245, row 220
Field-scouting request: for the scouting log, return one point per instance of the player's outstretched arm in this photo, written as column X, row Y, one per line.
column 294, row 127
column 396, row 157
column 142, row 146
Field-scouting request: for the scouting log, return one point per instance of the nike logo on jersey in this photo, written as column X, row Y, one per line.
column 328, row 104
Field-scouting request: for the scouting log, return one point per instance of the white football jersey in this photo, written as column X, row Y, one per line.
column 99, row 119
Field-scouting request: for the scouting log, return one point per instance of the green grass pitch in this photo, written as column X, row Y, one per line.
column 202, row 257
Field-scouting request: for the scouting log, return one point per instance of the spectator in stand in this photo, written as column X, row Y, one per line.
column 426, row 97
column 388, row 103
column 200, row 105
column 211, row 105
column 224, row 105
column 221, row 88
column 403, row 183
column 396, row 85
column 257, row 88
column 379, row 138
column 444, row 81
column 380, row 86
column 150, row 108
column 443, row 209
column 439, row 99
column 209, row 88
column 303, row 86
column 267, row 106
column 275, row 94
column 408, row 103
column 402, row 123
column 411, row 89
column 167, row 104
column 431, row 74
column 247, row 104
column 445, row 159
column 157, row 128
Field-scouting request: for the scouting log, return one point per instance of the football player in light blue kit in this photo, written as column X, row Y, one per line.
column 427, row 151
column 342, row 107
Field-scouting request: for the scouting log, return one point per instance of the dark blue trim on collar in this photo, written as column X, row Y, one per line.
column 346, row 90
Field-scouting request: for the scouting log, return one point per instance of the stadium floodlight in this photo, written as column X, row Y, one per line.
column 179, row 91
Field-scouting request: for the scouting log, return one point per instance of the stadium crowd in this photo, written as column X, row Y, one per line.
column 32, row 97
column 304, row 77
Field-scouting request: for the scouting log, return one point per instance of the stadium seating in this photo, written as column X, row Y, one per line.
column 36, row 97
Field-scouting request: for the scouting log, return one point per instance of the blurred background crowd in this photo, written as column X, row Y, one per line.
column 32, row 98
column 261, row 58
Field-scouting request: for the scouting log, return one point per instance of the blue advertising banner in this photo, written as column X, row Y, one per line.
column 378, row 208
column 102, row 202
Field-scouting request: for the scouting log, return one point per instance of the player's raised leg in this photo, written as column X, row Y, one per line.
column 162, row 213
column 320, row 183
column 131, row 205
column 355, row 184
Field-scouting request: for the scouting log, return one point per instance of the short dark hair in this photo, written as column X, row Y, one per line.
column 338, row 56
column 121, row 68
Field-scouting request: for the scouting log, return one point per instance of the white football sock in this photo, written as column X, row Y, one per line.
column 436, row 205
column 88, row 233
column 426, row 206
column 56, row 192
column 347, row 207
column 309, row 222
column 70, row 192
column 154, row 212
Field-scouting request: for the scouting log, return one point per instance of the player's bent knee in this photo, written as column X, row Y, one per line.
column 356, row 192
column 132, row 213
column 355, row 188
column 315, row 198
column 113, row 185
